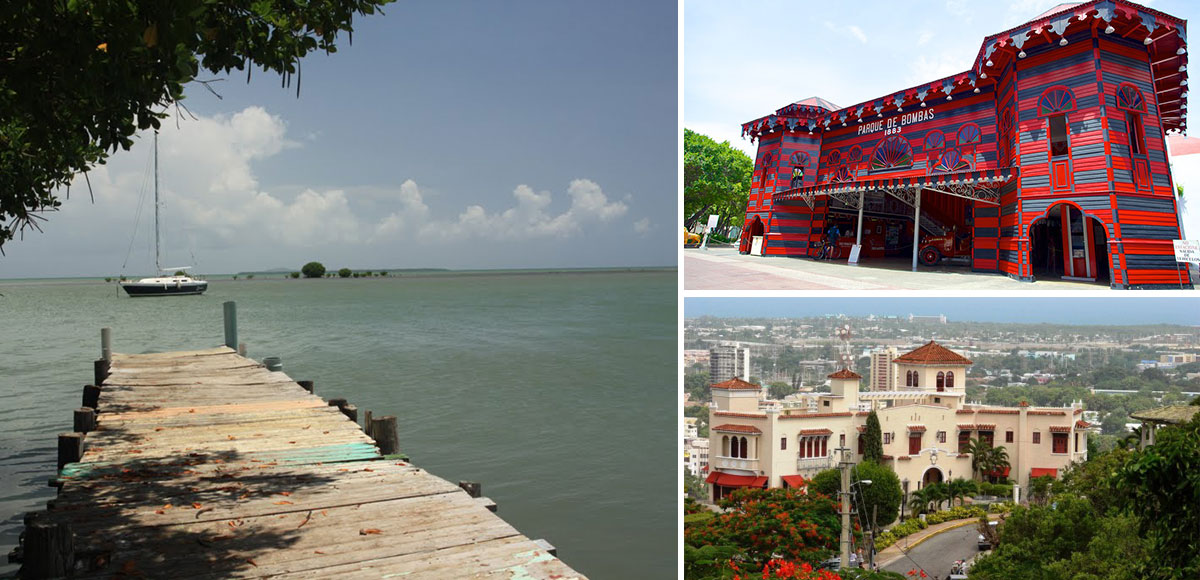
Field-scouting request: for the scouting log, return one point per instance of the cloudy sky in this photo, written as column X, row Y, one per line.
column 451, row 134
column 743, row 60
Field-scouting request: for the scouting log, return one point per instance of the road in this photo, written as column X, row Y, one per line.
column 936, row 554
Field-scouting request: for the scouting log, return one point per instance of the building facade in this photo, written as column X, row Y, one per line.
column 695, row 455
column 883, row 372
column 1047, row 159
column 728, row 361
column 925, row 420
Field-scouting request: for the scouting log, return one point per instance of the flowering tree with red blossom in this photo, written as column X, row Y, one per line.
column 765, row 524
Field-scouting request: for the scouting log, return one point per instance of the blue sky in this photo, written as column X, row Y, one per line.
column 743, row 60
column 1075, row 310
column 451, row 134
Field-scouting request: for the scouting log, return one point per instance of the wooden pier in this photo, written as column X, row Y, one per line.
column 206, row 464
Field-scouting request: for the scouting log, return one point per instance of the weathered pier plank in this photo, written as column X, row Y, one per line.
column 204, row 464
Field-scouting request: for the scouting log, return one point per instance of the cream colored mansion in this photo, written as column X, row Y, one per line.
column 925, row 418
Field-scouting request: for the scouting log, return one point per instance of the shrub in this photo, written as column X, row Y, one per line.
column 313, row 270
column 344, row 273
column 295, row 274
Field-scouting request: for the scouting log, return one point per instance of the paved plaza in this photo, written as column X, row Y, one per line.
column 723, row 268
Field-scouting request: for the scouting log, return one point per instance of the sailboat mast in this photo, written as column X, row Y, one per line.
column 157, row 261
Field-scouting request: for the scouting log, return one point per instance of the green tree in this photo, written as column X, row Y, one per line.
column 882, row 494
column 344, row 273
column 873, row 439
column 780, row 389
column 79, row 79
column 313, row 270
column 960, row 489
column 1161, row 485
column 294, row 274
column 716, row 179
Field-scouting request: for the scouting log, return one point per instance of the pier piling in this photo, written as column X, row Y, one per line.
column 49, row 549
column 100, row 371
column 85, row 419
column 306, row 385
column 383, row 430
column 70, row 448
column 473, row 488
column 91, row 396
column 231, row 334
column 106, row 344
column 351, row 412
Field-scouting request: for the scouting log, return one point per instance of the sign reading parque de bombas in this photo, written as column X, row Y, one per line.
column 894, row 124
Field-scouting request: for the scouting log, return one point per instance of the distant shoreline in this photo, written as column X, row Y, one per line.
column 399, row 273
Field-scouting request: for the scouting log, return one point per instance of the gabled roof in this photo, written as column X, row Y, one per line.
column 933, row 354
column 845, row 373
column 735, row 384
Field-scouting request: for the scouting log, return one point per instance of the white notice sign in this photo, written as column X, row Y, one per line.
column 1187, row 251
column 712, row 221
column 854, row 250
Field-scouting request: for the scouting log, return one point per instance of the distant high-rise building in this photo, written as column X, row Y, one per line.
column 728, row 361
column 883, row 374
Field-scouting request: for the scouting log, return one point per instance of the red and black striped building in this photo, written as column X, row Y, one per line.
column 1046, row 159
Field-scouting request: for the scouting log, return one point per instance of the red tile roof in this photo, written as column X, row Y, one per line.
column 816, row 415
column 845, row 373
column 1082, row 424
column 933, row 354
column 816, row 432
column 738, row 428
column 1060, row 428
column 916, row 428
column 746, row 415
column 736, row 383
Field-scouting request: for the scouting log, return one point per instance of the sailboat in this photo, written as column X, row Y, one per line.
column 163, row 285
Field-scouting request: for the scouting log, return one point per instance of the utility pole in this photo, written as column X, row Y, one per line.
column 845, row 466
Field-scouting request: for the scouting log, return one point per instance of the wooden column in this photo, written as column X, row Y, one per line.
column 100, row 371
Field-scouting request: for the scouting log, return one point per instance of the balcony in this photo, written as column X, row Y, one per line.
column 733, row 463
column 817, row 463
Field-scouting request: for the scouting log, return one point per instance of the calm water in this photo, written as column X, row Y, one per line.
column 555, row 391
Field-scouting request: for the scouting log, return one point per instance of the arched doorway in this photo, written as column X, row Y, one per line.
column 932, row 475
column 755, row 229
column 1067, row 244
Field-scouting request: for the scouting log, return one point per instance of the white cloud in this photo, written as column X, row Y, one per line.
column 924, row 38
column 642, row 226
column 211, row 193
column 851, row 30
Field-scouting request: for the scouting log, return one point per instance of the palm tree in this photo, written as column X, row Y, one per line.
column 937, row 493
column 998, row 460
column 977, row 448
column 919, row 501
column 960, row 488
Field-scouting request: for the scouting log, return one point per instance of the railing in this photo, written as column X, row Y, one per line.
column 814, row 463
column 734, row 463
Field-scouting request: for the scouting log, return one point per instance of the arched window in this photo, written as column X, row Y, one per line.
column 855, row 154
column 893, row 153
column 843, row 174
column 1129, row 98
column 745, row 449
column 835, row 157
column 934, row 140
column 800, row 159
column 1056, row 100
column 916, row 379
column 908, row 379
column 969, row 134
column 725, row 446
column 941, row 381
column 952, row 160
column 950, row 380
